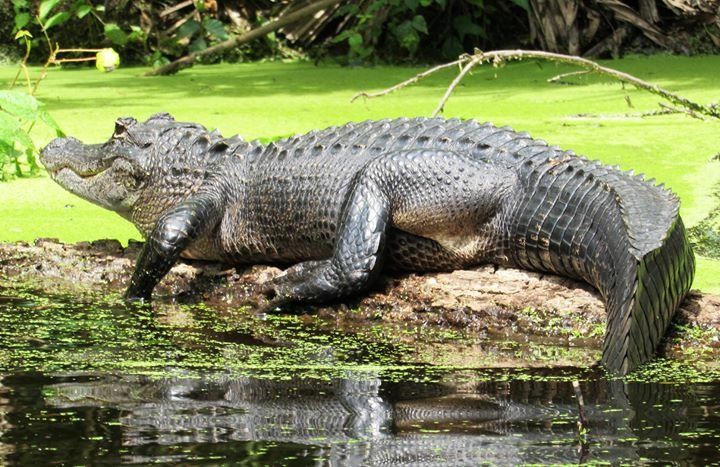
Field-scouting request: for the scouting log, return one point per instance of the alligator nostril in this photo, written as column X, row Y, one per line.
column 51, row 154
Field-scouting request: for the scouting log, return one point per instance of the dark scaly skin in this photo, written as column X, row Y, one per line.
column 412, row 194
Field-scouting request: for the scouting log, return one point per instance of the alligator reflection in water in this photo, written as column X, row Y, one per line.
column 69, row 391
column 361, row 420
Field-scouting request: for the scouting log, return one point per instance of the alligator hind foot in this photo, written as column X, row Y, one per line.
column 292, row 285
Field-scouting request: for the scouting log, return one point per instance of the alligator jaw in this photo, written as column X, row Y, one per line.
column 69, row 154
column 93, row 172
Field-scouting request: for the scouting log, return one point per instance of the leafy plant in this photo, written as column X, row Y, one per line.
column 195, row 32
column 54, row 13
column 418, row 28
column 19, row 113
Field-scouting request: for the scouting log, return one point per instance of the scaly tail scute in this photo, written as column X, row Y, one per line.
column 659, row 274
column 637, row 324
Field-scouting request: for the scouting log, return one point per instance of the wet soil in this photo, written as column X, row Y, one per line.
column 490, row 301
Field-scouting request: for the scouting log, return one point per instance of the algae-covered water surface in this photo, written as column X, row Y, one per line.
column 86, row 379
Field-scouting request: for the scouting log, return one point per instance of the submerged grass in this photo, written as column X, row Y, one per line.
column 271, row 100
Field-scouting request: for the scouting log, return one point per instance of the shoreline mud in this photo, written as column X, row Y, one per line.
column 490, row 301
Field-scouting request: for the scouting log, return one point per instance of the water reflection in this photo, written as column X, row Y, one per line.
column 358, row 420
column 76, row 388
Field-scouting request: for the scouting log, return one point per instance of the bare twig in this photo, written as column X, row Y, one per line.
column 189, row 59
column 500, row 56
column 582, row 426
column 53, row 53
column 73, row 60
column 407, row 82
column 464, row 71
column 79, row 50
column 582, row 421
column 178, row 24
column 175, row 8
column 559, row 78
column 53, row 59
column 23, row 68
column 689, row 112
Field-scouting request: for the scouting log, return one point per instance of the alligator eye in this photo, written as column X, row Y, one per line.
column 120, row 129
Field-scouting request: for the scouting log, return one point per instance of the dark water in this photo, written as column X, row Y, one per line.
column 88, row 380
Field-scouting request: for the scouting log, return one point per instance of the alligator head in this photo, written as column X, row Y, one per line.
column 128, row 171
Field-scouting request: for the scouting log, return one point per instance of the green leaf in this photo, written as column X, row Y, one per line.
column 49, row 121
column 137, row 34
column 45, row 7
column 426, row 2
column 412, row 4
column 20, row 104
column 21, row 20
column 23, row 33
column 419, row 24
column 451, row 48
column 83, row 10
column 342, row 36
column 11, row 132
column 407, row 36
column 465, row 26
column 58, row 18
column 31, row 160
column 355, row 40
column 215, row 28
column 188, row 29
column 115, row 34
column 524, row 4
column 197, row 45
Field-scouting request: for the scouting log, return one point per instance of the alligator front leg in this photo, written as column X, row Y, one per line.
column 357, row 256
column 174, row 232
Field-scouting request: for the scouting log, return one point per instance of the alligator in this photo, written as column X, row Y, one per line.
column 422, row 194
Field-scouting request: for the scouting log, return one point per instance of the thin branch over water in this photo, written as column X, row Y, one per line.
column 498, row 57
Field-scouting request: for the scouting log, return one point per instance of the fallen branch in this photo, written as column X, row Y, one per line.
column 497, row 57
column 267, row 28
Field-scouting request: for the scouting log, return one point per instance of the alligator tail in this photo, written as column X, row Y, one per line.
column 617, row 231
column 652, row 274
column 640, row 312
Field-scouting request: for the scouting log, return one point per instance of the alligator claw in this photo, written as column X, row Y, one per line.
column 266, row 299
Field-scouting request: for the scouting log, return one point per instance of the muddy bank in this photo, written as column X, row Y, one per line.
column 508, row 303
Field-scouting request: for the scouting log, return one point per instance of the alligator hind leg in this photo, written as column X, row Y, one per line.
column 357, row 256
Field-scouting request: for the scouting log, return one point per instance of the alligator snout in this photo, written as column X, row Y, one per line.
column 70, row 153
column 59, row 152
